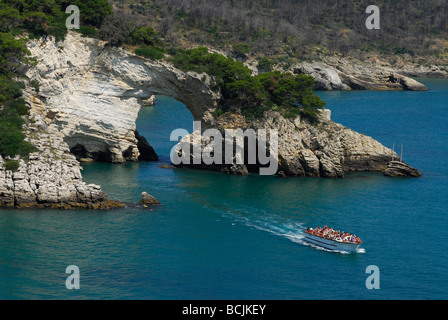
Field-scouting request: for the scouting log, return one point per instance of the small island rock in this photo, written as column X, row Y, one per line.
column 401, row 169
column 148, row 199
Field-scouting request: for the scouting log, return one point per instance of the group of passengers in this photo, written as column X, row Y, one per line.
column 331, row 234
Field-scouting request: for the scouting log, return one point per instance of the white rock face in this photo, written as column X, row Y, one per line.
column 337, row 73
column 326, row 77
column 52, row 176
column 325, row 149
column 94, row 93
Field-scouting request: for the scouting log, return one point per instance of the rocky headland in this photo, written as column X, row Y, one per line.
column 88, row 101
column 51, row 178
column 337, row 73
column 326, row 149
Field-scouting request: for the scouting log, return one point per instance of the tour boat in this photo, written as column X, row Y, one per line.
column 336, row 244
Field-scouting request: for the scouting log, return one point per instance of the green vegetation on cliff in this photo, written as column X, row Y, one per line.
column 285, row 92
column 13, row 58
column 47, row 17
column 13, row 108
column 37, row 18
column 118, row 29
column 291, row 94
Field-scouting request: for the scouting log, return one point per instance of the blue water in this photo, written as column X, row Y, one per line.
column 225, row 237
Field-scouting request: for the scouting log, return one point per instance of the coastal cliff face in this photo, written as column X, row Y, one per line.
column 336, row 73
column 325, row 149
column 51, row 178
column 88, row 101
column 93, row 94
column 87, row 104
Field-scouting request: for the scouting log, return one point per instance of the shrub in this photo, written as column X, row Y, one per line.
column 254, row 95
column 150, row 52
column 116, row 29
column 9, row 89
column 144, row 36
column 172, row 51
column 93, row 12
column 20, row 107
column 292, row 113
column 12, row 141
column 218, row 112
column 254, row 112
column 88, row 31
column 265, row 65
column 12, row 165
column 35, row 84
column 13, row 55
column 293, row 92
column 242, row 48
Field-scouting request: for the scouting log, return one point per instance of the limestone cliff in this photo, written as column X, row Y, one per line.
column 336, row 73
column 93, row 93
column 51, row 178
column 87, row 105
column 325, row 149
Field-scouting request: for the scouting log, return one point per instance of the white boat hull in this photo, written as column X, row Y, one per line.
column 331, row 244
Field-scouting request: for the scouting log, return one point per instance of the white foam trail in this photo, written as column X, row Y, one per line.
column 361, row 250
column 261, row 220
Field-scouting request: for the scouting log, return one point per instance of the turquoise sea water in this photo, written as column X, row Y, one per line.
column 225, row 237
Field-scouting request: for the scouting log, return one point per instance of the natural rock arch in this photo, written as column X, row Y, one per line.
column 93, row 93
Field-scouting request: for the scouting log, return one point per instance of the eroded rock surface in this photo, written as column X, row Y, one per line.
column 325, row 149
column 336, row 73
column 401, row 169
column 51, row 178
column 93, row 93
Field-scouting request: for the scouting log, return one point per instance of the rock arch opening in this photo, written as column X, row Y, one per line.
column 157, row 122
column 93, row 94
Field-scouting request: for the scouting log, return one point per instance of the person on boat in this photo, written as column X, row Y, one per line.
column 335, row 235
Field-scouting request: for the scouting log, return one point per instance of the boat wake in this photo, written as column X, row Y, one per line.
column 279, row 226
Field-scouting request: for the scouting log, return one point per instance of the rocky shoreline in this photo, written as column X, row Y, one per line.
column 89, row 100
column 336, row 73
column 51, row 178
column 326, row 149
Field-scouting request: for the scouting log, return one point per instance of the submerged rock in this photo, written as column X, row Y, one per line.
column 401, row 169
column 166, row 166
